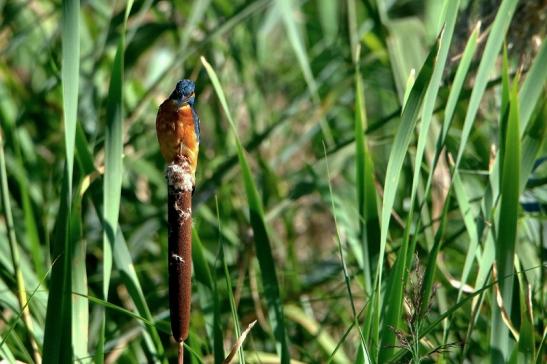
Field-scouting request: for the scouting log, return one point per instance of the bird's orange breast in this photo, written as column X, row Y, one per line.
column 176, row 132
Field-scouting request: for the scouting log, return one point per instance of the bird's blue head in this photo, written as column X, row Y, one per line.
column 184, row 93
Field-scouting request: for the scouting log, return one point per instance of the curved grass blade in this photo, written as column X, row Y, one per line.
column 126, row 312
column 261, row 237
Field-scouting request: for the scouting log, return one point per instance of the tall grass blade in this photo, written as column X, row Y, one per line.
column 507, row 227
column 397, row 280
column 261, row 237
column 459, row 191
column 121, row 256
column 112, row 181
column 80, row 305
column 395, row 163
column 58, row 330
column 369, row 225
column 445, row 39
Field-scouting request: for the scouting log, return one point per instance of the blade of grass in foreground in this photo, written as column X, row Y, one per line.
column 58, row 345
column 507, row 228
column 261, row 237
column 368, row 222
column 112, row 180
column 369, row 225
column 395, row 163
column 398, row 279
column 80, row 306
column 453, row 97
column 122, row 258
column 113, row 171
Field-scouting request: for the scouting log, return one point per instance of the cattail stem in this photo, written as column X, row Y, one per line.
column 181, row 353
column 180, row 183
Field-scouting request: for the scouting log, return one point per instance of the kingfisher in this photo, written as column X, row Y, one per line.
column 177, row 126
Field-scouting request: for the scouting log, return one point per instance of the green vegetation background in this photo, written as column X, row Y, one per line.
column 370, row 187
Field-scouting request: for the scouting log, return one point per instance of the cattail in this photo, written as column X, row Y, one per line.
column 177, row 127
column 179, row 217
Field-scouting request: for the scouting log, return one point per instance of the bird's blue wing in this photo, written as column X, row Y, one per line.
column 196, row 123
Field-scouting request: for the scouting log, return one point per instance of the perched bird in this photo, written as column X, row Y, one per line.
column 177, row 125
